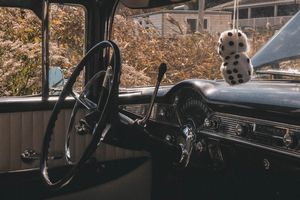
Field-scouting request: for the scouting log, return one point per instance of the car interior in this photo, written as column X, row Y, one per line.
column 101, row 131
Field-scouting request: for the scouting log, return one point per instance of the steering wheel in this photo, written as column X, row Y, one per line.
column 96, row 123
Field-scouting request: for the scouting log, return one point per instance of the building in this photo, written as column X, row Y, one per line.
column 256, row 14
column 262, row 13
column 180, row 22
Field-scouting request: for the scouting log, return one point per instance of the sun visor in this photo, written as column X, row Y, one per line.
column 283, row 45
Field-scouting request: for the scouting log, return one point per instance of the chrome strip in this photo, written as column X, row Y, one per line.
column 258, row 121
column 231, row 120
column 219, row 135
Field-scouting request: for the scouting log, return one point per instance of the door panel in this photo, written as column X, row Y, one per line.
column 24, row 130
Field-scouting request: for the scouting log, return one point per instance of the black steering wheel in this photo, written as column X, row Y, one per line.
column 100, row 111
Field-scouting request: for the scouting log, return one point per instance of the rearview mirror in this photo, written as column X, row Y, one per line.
column 56, row 79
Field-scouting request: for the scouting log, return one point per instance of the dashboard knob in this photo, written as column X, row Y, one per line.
column 214, row 123
column 288, row 140
column 207, row 123
column 241, row 129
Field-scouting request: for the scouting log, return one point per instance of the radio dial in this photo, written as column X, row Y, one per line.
column 241, row 129
column 207, row 123
column 288, row 140
column 213, row 124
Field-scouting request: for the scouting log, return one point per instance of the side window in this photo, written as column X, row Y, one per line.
column 66, row 45
column 21, row 49
column 20, row 52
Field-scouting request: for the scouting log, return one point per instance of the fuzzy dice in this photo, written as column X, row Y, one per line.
column 236, row 67
column 232, row 42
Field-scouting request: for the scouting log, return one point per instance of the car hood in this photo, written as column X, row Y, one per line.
column 282, row 46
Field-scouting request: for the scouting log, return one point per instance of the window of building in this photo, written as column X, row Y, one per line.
column 192, row 25
column 262, row 12
column 287, row 10
column 205, row 24
column 243, row 13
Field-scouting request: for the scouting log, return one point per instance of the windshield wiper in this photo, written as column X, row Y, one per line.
column 278, row 72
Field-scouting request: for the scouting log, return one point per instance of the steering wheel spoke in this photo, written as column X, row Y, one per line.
column 87, row 103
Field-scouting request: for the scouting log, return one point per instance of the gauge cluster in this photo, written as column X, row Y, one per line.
column 191, row 106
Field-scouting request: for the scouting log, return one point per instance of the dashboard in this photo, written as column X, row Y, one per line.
column 262, row 117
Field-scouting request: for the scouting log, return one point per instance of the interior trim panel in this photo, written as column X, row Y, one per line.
column 24, row 130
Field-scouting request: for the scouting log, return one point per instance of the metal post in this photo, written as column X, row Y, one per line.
column 249, row 13
column 200, row 19
column 162, row 24
column 45, row 50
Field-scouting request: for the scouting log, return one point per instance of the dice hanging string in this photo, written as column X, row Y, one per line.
column 234, row 15
column 235, row 24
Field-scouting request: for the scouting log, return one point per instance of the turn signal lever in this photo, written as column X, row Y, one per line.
column 137, row 133
column 161, row 73
column 186, row 147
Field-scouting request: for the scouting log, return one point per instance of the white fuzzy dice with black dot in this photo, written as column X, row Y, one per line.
column 231, row 42
column 237, row 69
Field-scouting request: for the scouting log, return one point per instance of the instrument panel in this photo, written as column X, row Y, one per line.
column 212, row 127
column 233, row 128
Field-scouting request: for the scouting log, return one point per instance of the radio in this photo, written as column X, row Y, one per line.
column 274, row 135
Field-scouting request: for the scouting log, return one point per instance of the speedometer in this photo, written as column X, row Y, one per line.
column 191, row 106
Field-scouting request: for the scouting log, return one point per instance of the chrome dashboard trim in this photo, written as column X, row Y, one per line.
column 226, row 137
column 258, row 121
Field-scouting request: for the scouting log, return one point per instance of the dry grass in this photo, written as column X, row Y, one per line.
column 187, row 56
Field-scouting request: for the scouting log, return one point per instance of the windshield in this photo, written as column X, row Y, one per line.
column 281, row 46
column 185, row 36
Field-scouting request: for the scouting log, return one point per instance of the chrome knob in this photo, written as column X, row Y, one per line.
column 168, row 138
column 214, row 123
column 288, row 140
column 241, row 129
column 199, row 147
column 207, row 123
column 266, row 164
